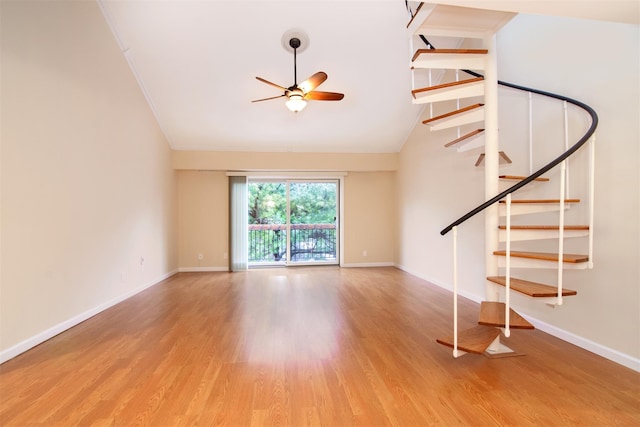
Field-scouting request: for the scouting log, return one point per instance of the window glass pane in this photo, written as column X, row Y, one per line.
column 313, row 214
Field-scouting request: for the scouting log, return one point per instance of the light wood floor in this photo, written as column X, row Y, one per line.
column 303, row 346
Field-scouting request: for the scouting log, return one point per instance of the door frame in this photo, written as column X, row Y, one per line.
column 311, row 176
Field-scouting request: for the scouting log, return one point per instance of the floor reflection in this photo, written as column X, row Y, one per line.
column 290, row 318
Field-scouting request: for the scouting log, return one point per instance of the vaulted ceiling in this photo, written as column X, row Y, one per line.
column 196, row 62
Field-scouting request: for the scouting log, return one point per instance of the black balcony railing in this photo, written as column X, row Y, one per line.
column 308, row 243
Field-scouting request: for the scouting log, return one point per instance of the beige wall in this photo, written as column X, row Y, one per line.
column 87, row 185
column 203, row 204
column 435, row 186
column 203, row 212
column 369, row 218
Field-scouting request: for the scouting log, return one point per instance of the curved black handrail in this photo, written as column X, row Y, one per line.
column 544, row 169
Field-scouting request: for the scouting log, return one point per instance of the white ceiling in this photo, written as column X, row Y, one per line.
column 197, row 62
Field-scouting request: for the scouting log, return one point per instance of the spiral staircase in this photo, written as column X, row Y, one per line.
column 475, row 93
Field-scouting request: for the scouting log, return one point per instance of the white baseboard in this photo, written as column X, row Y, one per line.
column 600, row 350
column 582, row 342
column 201, row 269
column 43, row 336
column 367, row 264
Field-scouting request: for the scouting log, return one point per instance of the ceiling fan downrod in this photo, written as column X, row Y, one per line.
column 295, row 44
column 297, row 95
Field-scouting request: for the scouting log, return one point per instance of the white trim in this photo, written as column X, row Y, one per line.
column 599, row 349
column 201, row 269
column 584, row 343
column 367, row 264
column 43, row 336
column 270, row 174
column 112, row 26
column 126, row 51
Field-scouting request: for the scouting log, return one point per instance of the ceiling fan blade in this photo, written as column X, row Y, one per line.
column 271, row 84
column 324, row 96
column 313, row 82
column 266, row 99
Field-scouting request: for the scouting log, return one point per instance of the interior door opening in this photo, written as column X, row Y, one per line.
column 293, row 222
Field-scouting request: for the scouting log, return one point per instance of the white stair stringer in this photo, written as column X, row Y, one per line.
column 472, row 143
column 518, row 235
column 427, row 58
column 454, row 21
column 540, row 264
column 472, row 116
column 531, row 208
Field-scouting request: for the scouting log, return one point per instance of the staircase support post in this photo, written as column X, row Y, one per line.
column 491, row 161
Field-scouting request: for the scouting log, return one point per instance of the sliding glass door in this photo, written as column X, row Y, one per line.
column 293, row 222
column 312, row 222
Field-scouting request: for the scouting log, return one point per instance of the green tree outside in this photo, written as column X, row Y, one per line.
column 267, row 203
column 311, row 202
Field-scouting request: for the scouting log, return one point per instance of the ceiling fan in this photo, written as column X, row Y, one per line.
column 298, row 94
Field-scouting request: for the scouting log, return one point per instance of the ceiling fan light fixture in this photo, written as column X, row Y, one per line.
column 297, row 94
column 296, row 103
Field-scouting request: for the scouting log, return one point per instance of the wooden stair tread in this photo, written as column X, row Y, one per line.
column 445, row 85
column 474, row 340
column 492, row 314
column 570, row 258
column 449, row 51
column 520, row 178
column 453, row 113
column 544, row 227
column 463, row 137
column 533, row 289
column 541, row 201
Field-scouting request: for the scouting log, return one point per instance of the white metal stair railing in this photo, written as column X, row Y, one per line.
column 508, row 241
column 564, row 188
column 563, row 170
column 507, row 294
column 456, row 352
column 592, row 164
column 564, row 192
column 458, row 100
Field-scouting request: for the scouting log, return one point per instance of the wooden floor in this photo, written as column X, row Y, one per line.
column 304, row 346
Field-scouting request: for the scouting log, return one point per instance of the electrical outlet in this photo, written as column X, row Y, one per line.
column 200, row 257
column 364, row 253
